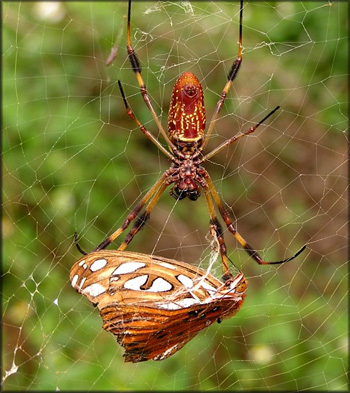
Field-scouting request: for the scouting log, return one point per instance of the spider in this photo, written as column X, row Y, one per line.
column 186, row 140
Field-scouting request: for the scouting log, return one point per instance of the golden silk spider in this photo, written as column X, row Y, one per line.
column 186, row 140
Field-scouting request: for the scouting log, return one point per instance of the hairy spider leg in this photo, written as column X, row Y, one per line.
column 148, row 134
column 230, row 77
column 219, row 235
column 142, row 219
column 133, row 214
column 135, row 64
column 239, row 135
column 229, row 224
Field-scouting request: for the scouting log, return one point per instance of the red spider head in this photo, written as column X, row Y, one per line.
column 186, row 122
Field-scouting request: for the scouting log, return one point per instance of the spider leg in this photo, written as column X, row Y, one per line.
column 131, row 114
column 237, row 136
column 218, row 233
column 154, row 190
column 226, row 217
column 77, row 245
column 135, row 64
column 230, row 77
column 141, row 220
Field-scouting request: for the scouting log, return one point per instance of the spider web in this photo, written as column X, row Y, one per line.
column 74, row 161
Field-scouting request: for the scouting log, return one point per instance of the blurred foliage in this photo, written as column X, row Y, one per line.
column 74, row 161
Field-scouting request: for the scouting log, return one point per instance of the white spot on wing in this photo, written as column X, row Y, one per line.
column 168, row 306
column 82, row 283
column 81, row 263
column 135, row 283
column 208, row 287
column 186, row 281
column 94, row 290
column 187, row 302
column 167, row 265
column 160, row 285
column 98, row 264
column 236, row 281
column 166, row 353
column 74, row 280
column 128, row 267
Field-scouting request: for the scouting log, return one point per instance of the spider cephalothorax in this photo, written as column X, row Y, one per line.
column 188, row 177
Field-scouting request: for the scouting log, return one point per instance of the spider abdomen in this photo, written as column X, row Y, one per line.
column 186, row 122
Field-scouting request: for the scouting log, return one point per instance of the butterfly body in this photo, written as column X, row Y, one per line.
column 154, row 305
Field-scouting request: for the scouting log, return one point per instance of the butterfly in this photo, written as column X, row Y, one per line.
column 154, row 305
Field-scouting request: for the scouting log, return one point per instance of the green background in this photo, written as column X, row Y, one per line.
column 74, row 161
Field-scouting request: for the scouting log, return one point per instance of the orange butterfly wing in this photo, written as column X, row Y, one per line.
column 154, row 305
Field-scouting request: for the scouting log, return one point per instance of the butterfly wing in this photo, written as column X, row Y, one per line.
column 148, row 332
column 153, row 305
